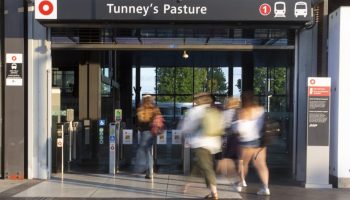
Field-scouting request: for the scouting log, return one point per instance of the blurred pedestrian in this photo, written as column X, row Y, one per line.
column 231, row 165
column 250, row 126
column 147, row 112
column 203, row 144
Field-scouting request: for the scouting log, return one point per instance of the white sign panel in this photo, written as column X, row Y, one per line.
column 127, row 136
column 14, row 58
column 14, row 69
column 45, row 9
column 59, row 142
column 161, row 139
column 176, row 137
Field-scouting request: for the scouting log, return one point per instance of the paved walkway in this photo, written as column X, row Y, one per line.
column 164, row 186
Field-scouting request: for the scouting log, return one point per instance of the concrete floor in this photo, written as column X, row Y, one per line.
column 164, row 186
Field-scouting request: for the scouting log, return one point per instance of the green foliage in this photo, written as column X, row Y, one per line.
column 182, row 82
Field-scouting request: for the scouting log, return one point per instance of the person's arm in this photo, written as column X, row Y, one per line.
column 190, row 123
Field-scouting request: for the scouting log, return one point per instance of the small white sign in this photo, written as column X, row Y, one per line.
column 45, row 9
column 14, row 58
column 59, row 142
column 176, row 137
column 127, row 136
column 161, row 139
column 112, row 147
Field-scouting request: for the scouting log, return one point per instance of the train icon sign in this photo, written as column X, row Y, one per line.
column 45, row 9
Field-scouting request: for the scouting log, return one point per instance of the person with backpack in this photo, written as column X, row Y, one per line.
column 205, row 125
column 250, row 126
column 150, row 123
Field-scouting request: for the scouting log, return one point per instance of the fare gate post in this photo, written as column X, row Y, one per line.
column 114, row 147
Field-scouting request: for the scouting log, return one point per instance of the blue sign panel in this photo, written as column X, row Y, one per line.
column 112, row 138
column 101, row 122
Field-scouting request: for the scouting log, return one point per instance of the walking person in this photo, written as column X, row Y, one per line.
column 147, row 112
column 231, row 165
column 250, row 126
column 203, row 144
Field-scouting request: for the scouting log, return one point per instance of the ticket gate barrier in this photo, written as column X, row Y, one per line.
column 114, row 147
column 114, row 142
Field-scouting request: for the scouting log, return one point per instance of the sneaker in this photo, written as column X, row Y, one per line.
column 264, row 191
column 244, row 184
column 237, row 187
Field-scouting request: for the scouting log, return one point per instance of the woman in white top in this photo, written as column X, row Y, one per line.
column 250, row 127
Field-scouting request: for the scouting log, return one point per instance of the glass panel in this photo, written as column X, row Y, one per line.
column 167, row 109
column 278, row 104
column 279, row 79
column 237, row 81
column 165, row 81
column 184, row 82
column 260, row 82
column 105, row 90
column 183, row 103
column 218, row 80
column 133, row 84
column 64, row 80
column 200, row 80
column 148, row 80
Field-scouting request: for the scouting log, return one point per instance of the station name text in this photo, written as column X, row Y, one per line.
column 150, row 9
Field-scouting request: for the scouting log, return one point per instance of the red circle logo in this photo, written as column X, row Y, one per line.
column 265, row 9
column 312, row 81
column 14, row 58
column 45, row 7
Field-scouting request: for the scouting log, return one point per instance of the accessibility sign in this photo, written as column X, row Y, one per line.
column 101, row 122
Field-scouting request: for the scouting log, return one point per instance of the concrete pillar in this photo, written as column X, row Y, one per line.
column 339, row 62
column 39, row 99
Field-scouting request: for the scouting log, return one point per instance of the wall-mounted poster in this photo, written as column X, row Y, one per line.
column 176, row 137
column 161, row 139
column 127, row 136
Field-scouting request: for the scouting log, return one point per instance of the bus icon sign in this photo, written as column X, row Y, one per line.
column 300, row 9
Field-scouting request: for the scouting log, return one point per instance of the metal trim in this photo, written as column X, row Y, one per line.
column 152, row 47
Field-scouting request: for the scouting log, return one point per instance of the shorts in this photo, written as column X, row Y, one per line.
column 252, row 144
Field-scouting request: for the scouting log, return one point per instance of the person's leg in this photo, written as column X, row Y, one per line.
column 149, row 162
column 205, row 161
column 260, row 165
column 149, row 157
column 141, row 154
column 246, row 156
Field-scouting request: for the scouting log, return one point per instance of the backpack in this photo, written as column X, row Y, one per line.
column 213, row 122
column 158, row 125
column 145, row 115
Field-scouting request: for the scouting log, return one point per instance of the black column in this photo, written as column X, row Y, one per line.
column 15, row 129
column 125, row 80
column 247, row 71
column 2, row 60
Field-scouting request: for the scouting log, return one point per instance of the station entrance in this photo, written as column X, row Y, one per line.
column 96, row 71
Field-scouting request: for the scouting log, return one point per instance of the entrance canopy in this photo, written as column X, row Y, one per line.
column 175, row 11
